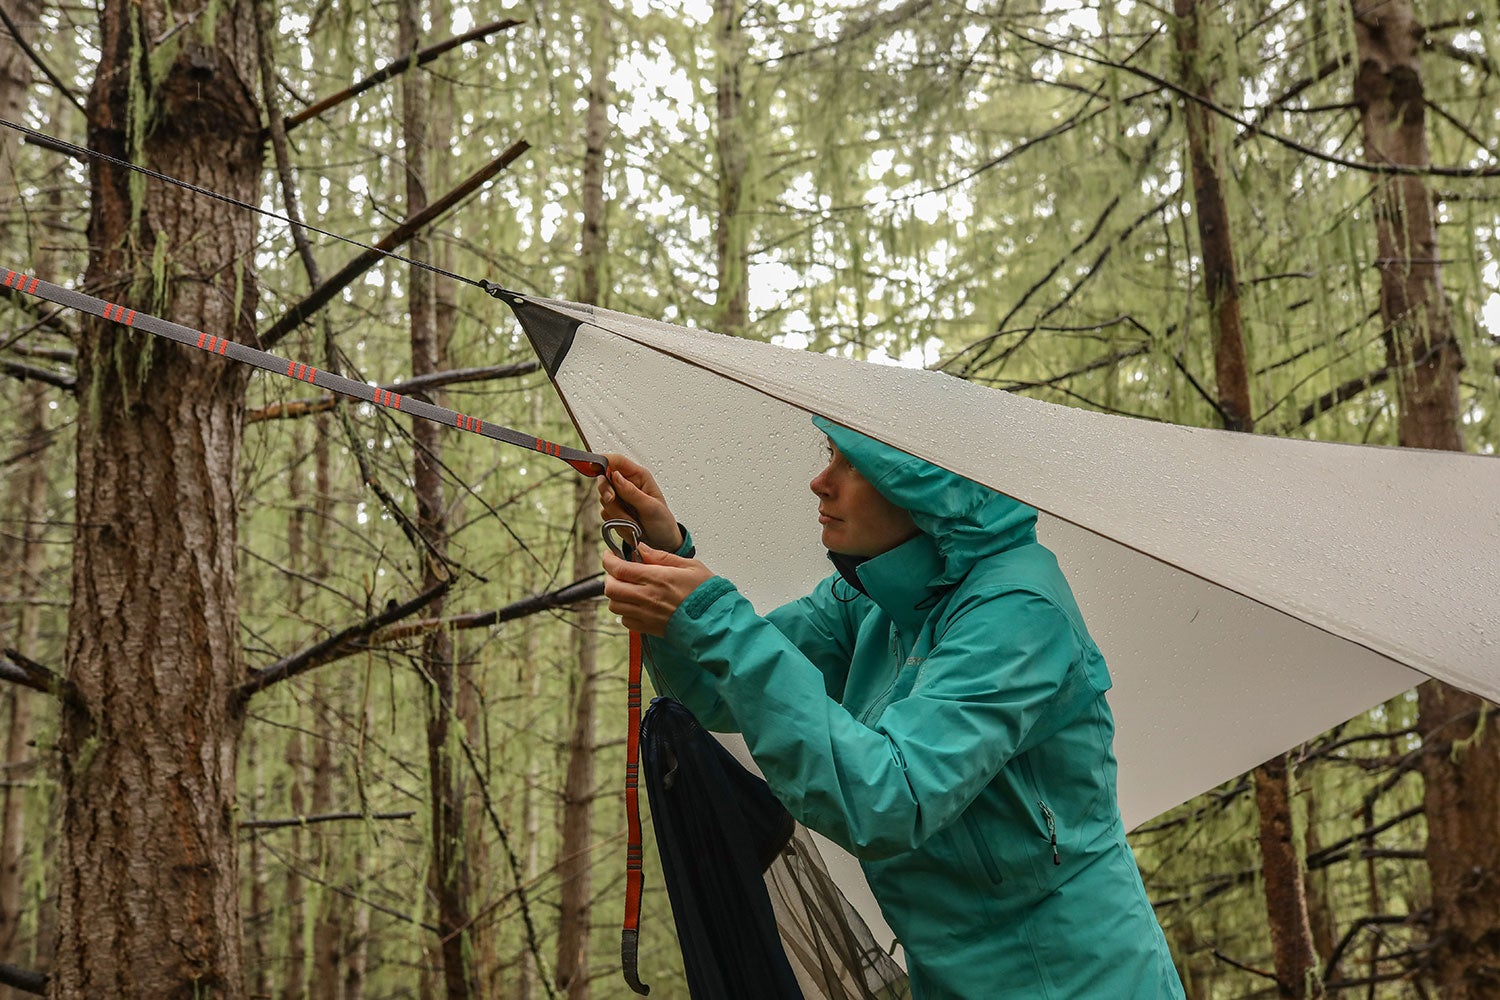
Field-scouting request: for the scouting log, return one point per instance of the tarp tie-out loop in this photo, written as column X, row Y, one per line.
column 586, row 462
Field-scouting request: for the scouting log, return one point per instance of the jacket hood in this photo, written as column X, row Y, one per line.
column 967, row 521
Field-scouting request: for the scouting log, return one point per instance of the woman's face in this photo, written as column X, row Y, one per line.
column 856, row 519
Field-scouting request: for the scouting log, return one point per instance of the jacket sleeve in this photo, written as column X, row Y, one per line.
column 883, row 786
column 821, row 626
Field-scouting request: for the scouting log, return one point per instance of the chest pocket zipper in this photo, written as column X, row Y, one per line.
column 1051, row 830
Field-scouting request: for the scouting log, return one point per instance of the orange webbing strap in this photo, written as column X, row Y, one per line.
column 634, row 878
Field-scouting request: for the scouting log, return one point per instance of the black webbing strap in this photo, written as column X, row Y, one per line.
column 585, row 462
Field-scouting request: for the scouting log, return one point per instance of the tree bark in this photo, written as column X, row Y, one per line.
column 149, row 887
column 449, row 876
column 24, row 501
column 1461, row 762
column 731, row 237
column 1295, row 959
column 1220, row 280
column 575, row 864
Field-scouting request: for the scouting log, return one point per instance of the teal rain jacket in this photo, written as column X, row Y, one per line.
column 950, row 730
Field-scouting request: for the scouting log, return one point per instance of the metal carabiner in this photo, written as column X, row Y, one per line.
column 628, row 534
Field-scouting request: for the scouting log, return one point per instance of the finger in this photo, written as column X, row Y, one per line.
column 632, row 573
column 660, row 557
column 631, row 492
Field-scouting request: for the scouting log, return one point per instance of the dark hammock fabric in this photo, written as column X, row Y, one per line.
column 717, row 829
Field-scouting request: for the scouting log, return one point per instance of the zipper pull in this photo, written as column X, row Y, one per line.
column 1051, row 831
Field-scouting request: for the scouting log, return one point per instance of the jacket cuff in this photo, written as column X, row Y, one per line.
column 702, row 597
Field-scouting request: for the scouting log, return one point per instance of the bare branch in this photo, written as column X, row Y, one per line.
column 418, row 58
column 578, row 591
column 300, row 821
column 25, row 372
column 1254, row 129
column 321, row 295
column 24, row 980
column 337, row 645
column 308, row 407
column 22, row 670
column 1335, row 397
column 52, row 78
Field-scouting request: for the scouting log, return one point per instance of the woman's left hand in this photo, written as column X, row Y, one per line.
column 646, row 594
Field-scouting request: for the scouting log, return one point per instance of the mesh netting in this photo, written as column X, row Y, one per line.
column 758, row 917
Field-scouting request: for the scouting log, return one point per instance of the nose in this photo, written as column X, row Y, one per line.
column 820, row 483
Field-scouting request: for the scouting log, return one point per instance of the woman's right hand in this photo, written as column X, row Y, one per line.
column 630, row 483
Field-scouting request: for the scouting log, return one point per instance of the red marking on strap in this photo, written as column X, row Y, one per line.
column 130, row 318
column 397, row 403
column 223, row 345
column 10, row 277
column 201, row 338
column 31, row 288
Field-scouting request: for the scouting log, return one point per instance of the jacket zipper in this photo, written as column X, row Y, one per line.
column 1051, row 830
column 897, row 658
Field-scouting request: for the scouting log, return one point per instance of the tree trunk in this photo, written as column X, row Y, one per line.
column 449, row 880
column 731, row 238
column 259, row 922
column 149, row 880
column 530, row 681
column 575, row 864
column 294, row 969
column 1220, row 281
column 1461, row 766
column 24, row 503
column 1296, row 961
column 327, row 909
column 26, row 500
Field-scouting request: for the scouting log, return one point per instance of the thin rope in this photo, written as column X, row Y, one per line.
column 62, row 145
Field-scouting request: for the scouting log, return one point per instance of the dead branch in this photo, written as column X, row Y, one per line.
column 1339, row 850
column 24, row 980
column 418, row 58
column 1252, row 128
column 336, row 646
column 299, row 821
column 22, row 670
column 308, row 407
column 321, row 295
column 52, row 78
column 24, row 372
column 576, row 592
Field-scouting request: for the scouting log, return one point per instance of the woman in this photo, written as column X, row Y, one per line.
column 936, row 707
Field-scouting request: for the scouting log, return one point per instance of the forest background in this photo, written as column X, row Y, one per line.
column 299, row 699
